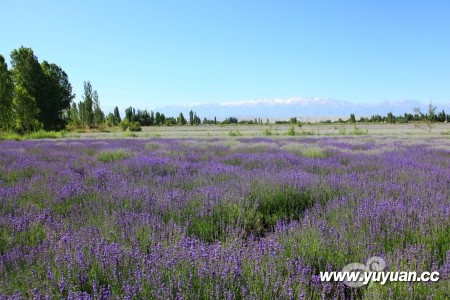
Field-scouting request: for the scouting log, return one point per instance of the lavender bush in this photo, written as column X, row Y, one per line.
column 231, row 218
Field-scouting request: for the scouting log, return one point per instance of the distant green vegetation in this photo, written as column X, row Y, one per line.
column 291, row 131
column 109, row 156
column 313, row 152
column 356, row 131
column 41, row 134
column 10, row 136
column 310, row 151
column 234, row 133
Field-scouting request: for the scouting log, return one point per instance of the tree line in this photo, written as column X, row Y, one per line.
column 33, row 95
column 429, row 116
column 38, row 95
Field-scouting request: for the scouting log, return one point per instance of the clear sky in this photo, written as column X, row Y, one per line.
column 154, row 53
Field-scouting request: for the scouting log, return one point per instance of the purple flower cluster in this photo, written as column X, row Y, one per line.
column 220, row 218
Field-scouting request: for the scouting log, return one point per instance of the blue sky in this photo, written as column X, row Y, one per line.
column 154, row 53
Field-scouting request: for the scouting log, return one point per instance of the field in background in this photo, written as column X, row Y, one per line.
column 439, row 129
column 230, row 212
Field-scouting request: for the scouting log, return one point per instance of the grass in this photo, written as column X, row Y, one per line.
column 215, row 226
column 254, row 216
column 15, row 175
column 267, row 131
column 291, row 131
column 314, row 152
column 10, row 136
column 356, row 131
column 152, row 146
column 234, row 133
column 129, row 134
column 307, row 151
column 30, row 237
column 66, row 206
column 109, row 156
column 42, row 134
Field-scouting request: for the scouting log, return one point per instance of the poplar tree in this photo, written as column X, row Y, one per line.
column 6, row 95
column 27, row 76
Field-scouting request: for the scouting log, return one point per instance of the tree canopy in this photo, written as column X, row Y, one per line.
column 6, row 95
column 33, row 95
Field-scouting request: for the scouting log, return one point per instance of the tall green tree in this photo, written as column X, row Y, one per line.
column 25, row 110
column 99, row 116
column 110, row 120
column 88, row 110
column 441, row 117
column 117, row 118
column 352, row 118
column 129, row 113
column 196, row 119
column 56, row 97
column 428, row 117
column 390, row 118
column 27, row 76
column 83, row 115
column 191, row 117
column 74, row 116
column 26, row 71
column 157, row 118
column 6, row 95
column 45, row 86
column 181, row 120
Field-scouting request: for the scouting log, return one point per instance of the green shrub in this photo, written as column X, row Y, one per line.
column 124, row 124
column 267, row 131
column 42, row 134
column 234, row 133
column 270, row 205
column 291, row 131
column 65, row 207
column 135, row 126
column 358, row 131
column 10, row 136
column 31, row 237
column 256, row 215
column 314, row 152
column 103, row 128
column 214, row 226
column 18, row 174
column 130, row 134
column 152, row 146
column 109, row 156
column 305, row 132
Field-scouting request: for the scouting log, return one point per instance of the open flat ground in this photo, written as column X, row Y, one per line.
column 224, row 212
column 402, row 130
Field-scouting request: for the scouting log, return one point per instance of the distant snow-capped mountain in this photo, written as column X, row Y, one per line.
column 300, row 107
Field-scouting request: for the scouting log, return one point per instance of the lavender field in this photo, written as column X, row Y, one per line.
column 221, row 218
